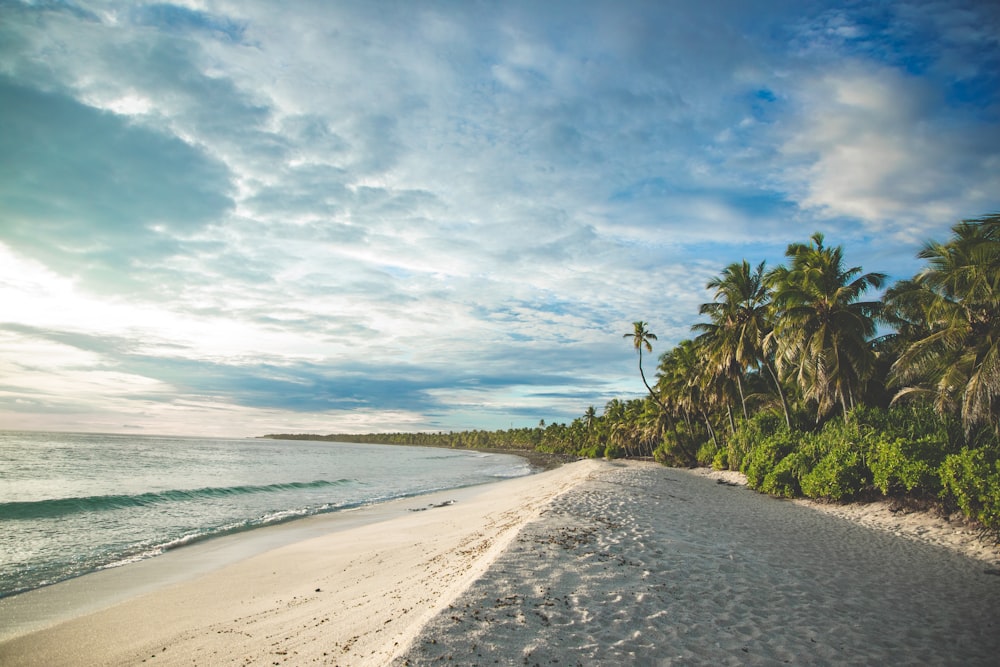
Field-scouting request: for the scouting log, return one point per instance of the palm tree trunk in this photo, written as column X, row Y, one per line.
column 732, row 423
column 781, row 393
column 743, row 399
column 711, row 431
column 648, row 388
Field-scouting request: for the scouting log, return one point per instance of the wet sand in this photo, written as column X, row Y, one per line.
column 354, row 596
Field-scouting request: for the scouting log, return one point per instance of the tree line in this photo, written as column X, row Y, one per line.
column 806, row 379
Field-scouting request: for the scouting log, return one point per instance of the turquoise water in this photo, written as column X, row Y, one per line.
column 75, row 503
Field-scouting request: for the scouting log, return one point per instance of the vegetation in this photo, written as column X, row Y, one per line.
column 789, row 381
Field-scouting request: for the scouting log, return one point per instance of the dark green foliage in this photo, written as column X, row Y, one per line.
column 706, row 453
column 674, row 448
column 721, row 459
column 971, row 479
column 901, row 465
column 905, row 447
column 766, row 455
column 784, row 479
column 840, row 475
column 749, row 433
column 593, row 452
column 895, row 451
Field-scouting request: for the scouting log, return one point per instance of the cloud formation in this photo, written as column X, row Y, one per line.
column 236, row 218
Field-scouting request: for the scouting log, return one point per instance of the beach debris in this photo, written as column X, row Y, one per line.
column 433, row 506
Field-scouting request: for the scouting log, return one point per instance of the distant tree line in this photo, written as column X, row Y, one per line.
column 798, row 380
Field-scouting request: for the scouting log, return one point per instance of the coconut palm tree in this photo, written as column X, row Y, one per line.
column 641, row 338
column 822, row 330
column 955, row 356
column 683, row 379
column 740, row 322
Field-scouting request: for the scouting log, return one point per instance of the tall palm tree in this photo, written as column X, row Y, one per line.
column 955, row 356
column 740, row 321
column 822, row 330
column 641, row 338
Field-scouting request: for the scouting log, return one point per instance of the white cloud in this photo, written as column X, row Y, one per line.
column 331, row 204
column 872, row 144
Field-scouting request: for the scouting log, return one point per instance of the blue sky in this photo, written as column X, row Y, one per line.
column 236, row 218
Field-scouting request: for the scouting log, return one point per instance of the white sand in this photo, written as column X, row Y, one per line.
column 952, row 532
column 646, row 565
column 594, row 563
column 353, row 597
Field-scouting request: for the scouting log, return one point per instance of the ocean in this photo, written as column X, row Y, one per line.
column 74, row 503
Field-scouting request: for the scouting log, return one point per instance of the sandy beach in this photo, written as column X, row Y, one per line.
column 593, row 563
column 645, row 565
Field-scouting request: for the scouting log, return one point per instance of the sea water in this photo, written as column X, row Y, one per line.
column 76, row 503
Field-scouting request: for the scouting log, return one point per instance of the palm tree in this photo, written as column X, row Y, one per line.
column 641, row 338
column 740, row 321
column 955, row 354
column 683, row 378
column 821, row 329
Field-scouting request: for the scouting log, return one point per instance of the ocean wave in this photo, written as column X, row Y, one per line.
column 58, row 507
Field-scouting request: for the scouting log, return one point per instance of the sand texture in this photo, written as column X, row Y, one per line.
column 594, row 563
column 353, row 597
column 645, row 565
column 929, row 526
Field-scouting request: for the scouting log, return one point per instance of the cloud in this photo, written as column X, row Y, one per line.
column 83, row 187
column 446, row 214
column 874, row 145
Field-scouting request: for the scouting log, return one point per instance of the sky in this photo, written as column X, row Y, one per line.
column 249, row 217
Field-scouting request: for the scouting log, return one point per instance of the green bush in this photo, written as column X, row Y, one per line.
column 592, row 452
column 681, row 445
column 903, row 465
column 749, row 435
column 706, row 453
column 721, row 459
column 840, row 471
column 763, row 457
column 783, row 479
column 911, row 421
column 971, row 479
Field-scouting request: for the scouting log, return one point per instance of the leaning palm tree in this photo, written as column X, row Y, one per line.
column 955, row 357
column 822, row 330
column 641, row 338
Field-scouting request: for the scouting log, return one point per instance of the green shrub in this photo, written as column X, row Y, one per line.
column 721, row 459
column 785, row 479
column 749, row 435
column 840, row 472
column 706, row 453
column 903, row 465
column 681, row 445
column 765, row 455
column 911, row 420
column 971, row 479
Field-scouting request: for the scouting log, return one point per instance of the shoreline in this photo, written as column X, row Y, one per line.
column 355, row 592
column 593, row 562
